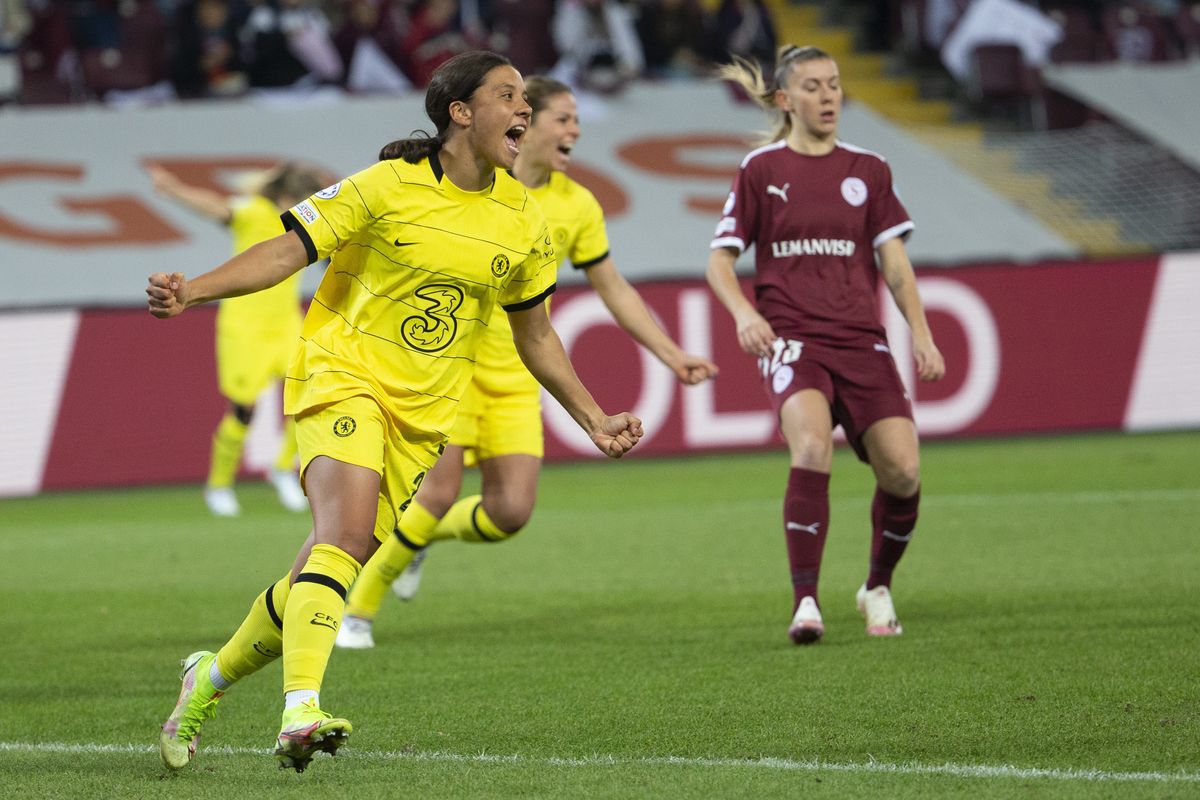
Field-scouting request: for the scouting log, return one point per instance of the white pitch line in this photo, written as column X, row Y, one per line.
column 786, row 764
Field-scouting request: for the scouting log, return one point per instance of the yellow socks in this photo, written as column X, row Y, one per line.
column 227, row 444
column 394, row 554
column 466, row 520
column 313, row 615
column 285, row 461
column 259, row 640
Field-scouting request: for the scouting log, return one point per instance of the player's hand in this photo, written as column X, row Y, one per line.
column 930, row 364
column 167, row 294
column 617, row 434
column 162, row 179
column 755, row 334
column 690, row 369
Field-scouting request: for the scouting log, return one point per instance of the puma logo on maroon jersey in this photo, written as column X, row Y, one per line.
column 771, row 189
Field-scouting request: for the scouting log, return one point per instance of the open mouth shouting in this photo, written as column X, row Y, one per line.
column 512, row 138
column 563, row 154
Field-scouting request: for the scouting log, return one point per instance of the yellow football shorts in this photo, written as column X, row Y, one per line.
column 494, row 423
column 248, row 361
column 357, row 431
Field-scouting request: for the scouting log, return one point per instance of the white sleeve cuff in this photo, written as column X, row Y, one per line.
column 892, row 233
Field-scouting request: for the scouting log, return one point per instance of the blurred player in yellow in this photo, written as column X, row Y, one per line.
column 424, row 245
column 257, row 334
column 499, row 426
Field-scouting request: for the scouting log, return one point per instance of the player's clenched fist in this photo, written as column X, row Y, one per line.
column 167, row 294
column 618, row 434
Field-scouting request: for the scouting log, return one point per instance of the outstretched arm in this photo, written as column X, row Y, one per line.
column 542, row 351
column 902, row 283
column 203, row 201
column 255, row 268
column 754, row 333
column 630, row 311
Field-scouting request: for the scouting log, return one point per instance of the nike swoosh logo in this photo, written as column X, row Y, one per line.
column 323, row 624
column 404, row 244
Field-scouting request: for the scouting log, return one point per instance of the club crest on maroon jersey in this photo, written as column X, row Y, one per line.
column 854, row 191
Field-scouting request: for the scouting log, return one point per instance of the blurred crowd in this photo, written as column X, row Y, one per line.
column 1083, row 30
column 149, row 50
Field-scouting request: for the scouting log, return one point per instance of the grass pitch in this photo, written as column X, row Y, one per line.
column 632, row 641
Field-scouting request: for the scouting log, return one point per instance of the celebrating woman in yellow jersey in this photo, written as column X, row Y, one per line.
column 424, row 245
column 258, row 333
column 499, row 426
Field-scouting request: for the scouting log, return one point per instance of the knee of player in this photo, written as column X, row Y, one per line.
column 810, row 451
column 901, row 479
column 510, row 519
column 436, row 498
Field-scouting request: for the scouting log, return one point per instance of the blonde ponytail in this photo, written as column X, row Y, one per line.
column 749, row 75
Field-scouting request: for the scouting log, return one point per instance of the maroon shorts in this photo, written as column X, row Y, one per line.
column 861, row 384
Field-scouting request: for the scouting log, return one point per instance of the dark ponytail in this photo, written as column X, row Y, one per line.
column 456, row 79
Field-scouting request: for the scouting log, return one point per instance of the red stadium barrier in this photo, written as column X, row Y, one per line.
column 114, row 397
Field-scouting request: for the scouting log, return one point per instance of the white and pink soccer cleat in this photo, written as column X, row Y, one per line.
column 876, row 606
column 807, row 627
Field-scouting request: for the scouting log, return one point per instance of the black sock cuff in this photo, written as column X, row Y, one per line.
column 270, row 598
column 407, row 542
column 324, row 580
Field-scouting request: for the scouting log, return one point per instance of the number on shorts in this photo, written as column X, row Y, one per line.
column 785, row 352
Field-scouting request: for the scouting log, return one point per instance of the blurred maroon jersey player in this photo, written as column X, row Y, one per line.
column 821, row 214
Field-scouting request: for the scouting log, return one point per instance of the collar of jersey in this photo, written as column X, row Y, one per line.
column 449, row 187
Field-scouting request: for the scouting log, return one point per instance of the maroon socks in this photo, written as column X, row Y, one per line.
column 805, row 525
column 892, row 522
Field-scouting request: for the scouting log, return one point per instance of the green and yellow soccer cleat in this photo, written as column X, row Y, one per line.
column 197, row 702
column 306, row 731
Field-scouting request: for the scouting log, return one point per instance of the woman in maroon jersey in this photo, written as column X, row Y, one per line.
column 820, row 213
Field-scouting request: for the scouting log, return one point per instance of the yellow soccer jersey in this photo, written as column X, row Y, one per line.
column 418, row 267
column 577, row 227
column 253, row 220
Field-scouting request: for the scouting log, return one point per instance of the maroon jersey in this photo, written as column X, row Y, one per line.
column 815, row 222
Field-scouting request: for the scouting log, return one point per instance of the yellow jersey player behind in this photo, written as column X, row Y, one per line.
column 499, row 426
column 258, row 333
column 424, row 245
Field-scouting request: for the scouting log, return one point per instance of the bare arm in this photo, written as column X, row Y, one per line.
column 256, row 268
column 902, row 283
column 203, row 201
column 754, row 333
column 542, row 351
column 631, row 313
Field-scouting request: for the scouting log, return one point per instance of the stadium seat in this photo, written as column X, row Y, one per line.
column 999, row 72
column 140, row 61
column 1187, row 28
column 123, row 70
column 915, row 30
column 1134, row 35
column 144, row 30
column 1081, row 41
column 39, row 83
column 45, row 74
